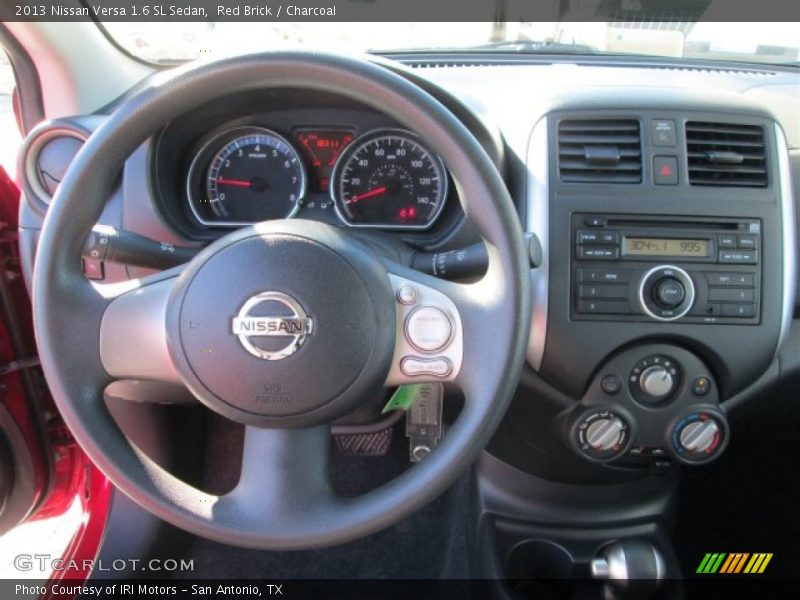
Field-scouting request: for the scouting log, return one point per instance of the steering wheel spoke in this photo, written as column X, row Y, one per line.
column 284, row 477
column 133, row 335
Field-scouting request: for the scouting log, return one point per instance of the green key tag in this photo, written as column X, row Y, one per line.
column 403, row 397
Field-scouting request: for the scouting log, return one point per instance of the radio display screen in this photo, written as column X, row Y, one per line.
column 637, row 246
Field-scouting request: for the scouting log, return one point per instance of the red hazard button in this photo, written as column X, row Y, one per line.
column 665, row 170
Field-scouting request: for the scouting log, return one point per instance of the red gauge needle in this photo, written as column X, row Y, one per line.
column 369, row 194
column 237, row 182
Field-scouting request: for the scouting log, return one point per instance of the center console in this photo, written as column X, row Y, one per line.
column 665, row 290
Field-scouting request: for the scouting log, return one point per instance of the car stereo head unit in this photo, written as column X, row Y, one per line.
column 627, row 267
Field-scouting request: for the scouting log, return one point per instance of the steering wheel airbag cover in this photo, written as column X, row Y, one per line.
column 340, row 288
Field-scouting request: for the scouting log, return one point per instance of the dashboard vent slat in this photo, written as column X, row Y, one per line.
column 599, row 151
column 726, row 154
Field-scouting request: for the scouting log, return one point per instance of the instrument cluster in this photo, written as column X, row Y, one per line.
column 385, row 178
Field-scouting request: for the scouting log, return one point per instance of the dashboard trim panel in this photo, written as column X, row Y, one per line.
column 788, row 235
column 537, row 217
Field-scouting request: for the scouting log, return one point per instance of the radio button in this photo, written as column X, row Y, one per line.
column 669, row 292
column 743, row 257
column 731, row 279
column 604, row 275
column 603, row 307
column 598, row 253
column 594, row 221
column 727, row 241
column 614, row 292
column 731, row 295
column 609, row 237
column 588, row 237
column 744, row 311
column 749, row 242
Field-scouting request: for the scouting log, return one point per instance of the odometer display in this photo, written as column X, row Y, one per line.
column 389, row 179
column 253, row 175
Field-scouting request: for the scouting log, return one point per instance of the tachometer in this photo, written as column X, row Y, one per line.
column 254, row 174
column 389, row 179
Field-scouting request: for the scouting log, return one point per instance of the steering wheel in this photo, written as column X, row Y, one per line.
column 282, row 326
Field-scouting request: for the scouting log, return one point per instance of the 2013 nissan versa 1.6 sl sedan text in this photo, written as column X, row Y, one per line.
column 501, row 307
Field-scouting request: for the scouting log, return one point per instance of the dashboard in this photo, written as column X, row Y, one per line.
column 660, row 196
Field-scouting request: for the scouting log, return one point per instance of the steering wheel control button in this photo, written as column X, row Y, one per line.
column 666, row 293
column 701, row 386
column 429, row 329
column 699, row 437
column 416, row 367
column 654, row 379
column 602, row 434
column 407, row 295
column 611, row 384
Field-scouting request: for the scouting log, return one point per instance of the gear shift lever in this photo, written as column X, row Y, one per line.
column 631, row 568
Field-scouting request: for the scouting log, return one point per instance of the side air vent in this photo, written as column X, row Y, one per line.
column 726, row 154
column 599, row 151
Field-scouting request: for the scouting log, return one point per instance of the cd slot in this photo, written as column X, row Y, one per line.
column 664, row 224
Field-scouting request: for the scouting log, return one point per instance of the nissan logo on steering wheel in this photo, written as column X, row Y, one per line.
column 294, row 325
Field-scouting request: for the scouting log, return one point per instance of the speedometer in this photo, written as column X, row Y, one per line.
column 251, row 174
column 389, row 179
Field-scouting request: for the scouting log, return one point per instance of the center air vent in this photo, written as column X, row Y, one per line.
column 726, row 154
column 599, row 151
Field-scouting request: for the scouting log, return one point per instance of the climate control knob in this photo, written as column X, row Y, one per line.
column 602, row 434
column 700, row 436
column 657, row 381
column 605, row 434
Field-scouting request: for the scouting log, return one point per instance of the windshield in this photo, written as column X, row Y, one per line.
column 749, row 42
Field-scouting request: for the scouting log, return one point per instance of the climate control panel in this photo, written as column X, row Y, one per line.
column 666, row 410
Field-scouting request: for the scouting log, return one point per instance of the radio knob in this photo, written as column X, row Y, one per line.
column 656, row 381
column 669, row 292
column 666, row 293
